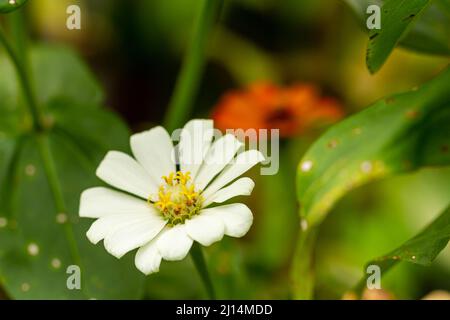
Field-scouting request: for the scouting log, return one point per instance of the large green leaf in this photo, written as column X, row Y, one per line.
column 10, row 5
column 421, row 249
column 397, row 15
column 57, row 74
column 401, row 133
column 421, row 25
column 42, row 176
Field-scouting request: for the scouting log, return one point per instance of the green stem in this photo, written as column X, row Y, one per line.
column 55, row 187
column 18, row 32
column 302, row 272
column 21, row 69
column 193, row 64
column 199, row 261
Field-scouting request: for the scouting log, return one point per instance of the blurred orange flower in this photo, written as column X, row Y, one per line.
column 262, row 105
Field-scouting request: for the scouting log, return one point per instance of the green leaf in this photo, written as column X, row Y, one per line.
column 42, row 176
column 359, row 8
column 397, row 15
column 420, row 25
column 421, row 249
column 7, row 6
column 57, row 74
column 398, row 134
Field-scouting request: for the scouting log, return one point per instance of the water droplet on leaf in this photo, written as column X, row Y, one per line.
column 306, row 165
column 33, row 249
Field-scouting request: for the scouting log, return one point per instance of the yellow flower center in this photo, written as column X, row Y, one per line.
column 177, row 198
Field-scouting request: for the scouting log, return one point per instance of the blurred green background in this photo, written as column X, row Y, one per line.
column 135, row 49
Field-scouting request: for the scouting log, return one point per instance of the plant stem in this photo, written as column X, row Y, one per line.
column 199, row 261
column 302, row 272
column 60, row 204
column 21, row 69
column 55, row 187
column 18, row 32
column 193, row 64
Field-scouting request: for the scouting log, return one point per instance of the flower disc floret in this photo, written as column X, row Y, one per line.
column 177, row 198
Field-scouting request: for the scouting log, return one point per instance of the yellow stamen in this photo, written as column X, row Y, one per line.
column 177, row 198
column 169, row 179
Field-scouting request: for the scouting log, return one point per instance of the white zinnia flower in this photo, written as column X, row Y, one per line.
column 164, row 208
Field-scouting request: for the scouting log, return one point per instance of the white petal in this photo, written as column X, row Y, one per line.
column 219, row 155
column 98, row 202
column 153, row 149
column 148, row 258
column 241, row 187
column 111, row 223
column 133, row 235
column 236, row 217
column 195, row 141
column 123, row 172
column 242, row 163
column 205, row 229
column 174, row 244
